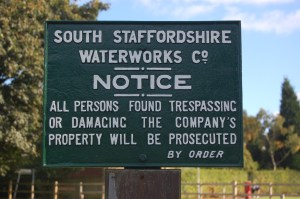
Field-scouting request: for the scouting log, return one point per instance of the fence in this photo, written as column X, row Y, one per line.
column 236, row 190
column 82, row 190
column 54, row 190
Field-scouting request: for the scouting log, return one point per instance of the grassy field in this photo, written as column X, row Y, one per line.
column 277, row 197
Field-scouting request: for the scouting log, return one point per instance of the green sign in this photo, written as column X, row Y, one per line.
column 143, row 94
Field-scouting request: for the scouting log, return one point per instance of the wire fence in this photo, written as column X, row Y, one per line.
column 84, row 190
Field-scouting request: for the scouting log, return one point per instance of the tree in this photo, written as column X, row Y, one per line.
column 290, row 106
column 280, row 142
column 249, row 164
column 251, row 127
column 290, row 110
column 21, row 72
column 252, row 133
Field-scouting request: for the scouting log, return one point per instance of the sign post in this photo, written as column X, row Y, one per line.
column 143, row 94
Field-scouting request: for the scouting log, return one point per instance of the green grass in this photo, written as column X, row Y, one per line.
column 277, row 197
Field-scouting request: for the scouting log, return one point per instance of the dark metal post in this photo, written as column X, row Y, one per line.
column 146, row 184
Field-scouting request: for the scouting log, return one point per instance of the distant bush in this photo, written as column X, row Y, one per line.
column 278, row 177
column 213, row 175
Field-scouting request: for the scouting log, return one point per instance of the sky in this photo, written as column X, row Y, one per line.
column 270, row 38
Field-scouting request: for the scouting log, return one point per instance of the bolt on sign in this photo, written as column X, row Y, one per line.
column 140, row 94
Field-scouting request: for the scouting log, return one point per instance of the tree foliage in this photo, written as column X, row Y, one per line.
column 281, row 141
column 269, row 141
column 21, row 72
column 251, row 128
column 290, row 106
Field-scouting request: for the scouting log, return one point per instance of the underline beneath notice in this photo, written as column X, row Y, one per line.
column 142, row 68
column 142, row 95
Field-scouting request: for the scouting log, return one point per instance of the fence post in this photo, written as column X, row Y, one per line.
column 10, row 190
column 55, row 191
column 103, row 191
column 32, row 191
column 81, row 196
column 224, row 193
column 201, row 192
column 282, row 196
column 234, row 189
column 198, row 184
column 32, row 184
column 270, row 190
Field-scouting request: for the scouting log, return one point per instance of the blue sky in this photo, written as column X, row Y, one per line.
column 270, row 38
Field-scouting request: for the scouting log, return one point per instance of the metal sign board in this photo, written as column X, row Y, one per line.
column 143, row 94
